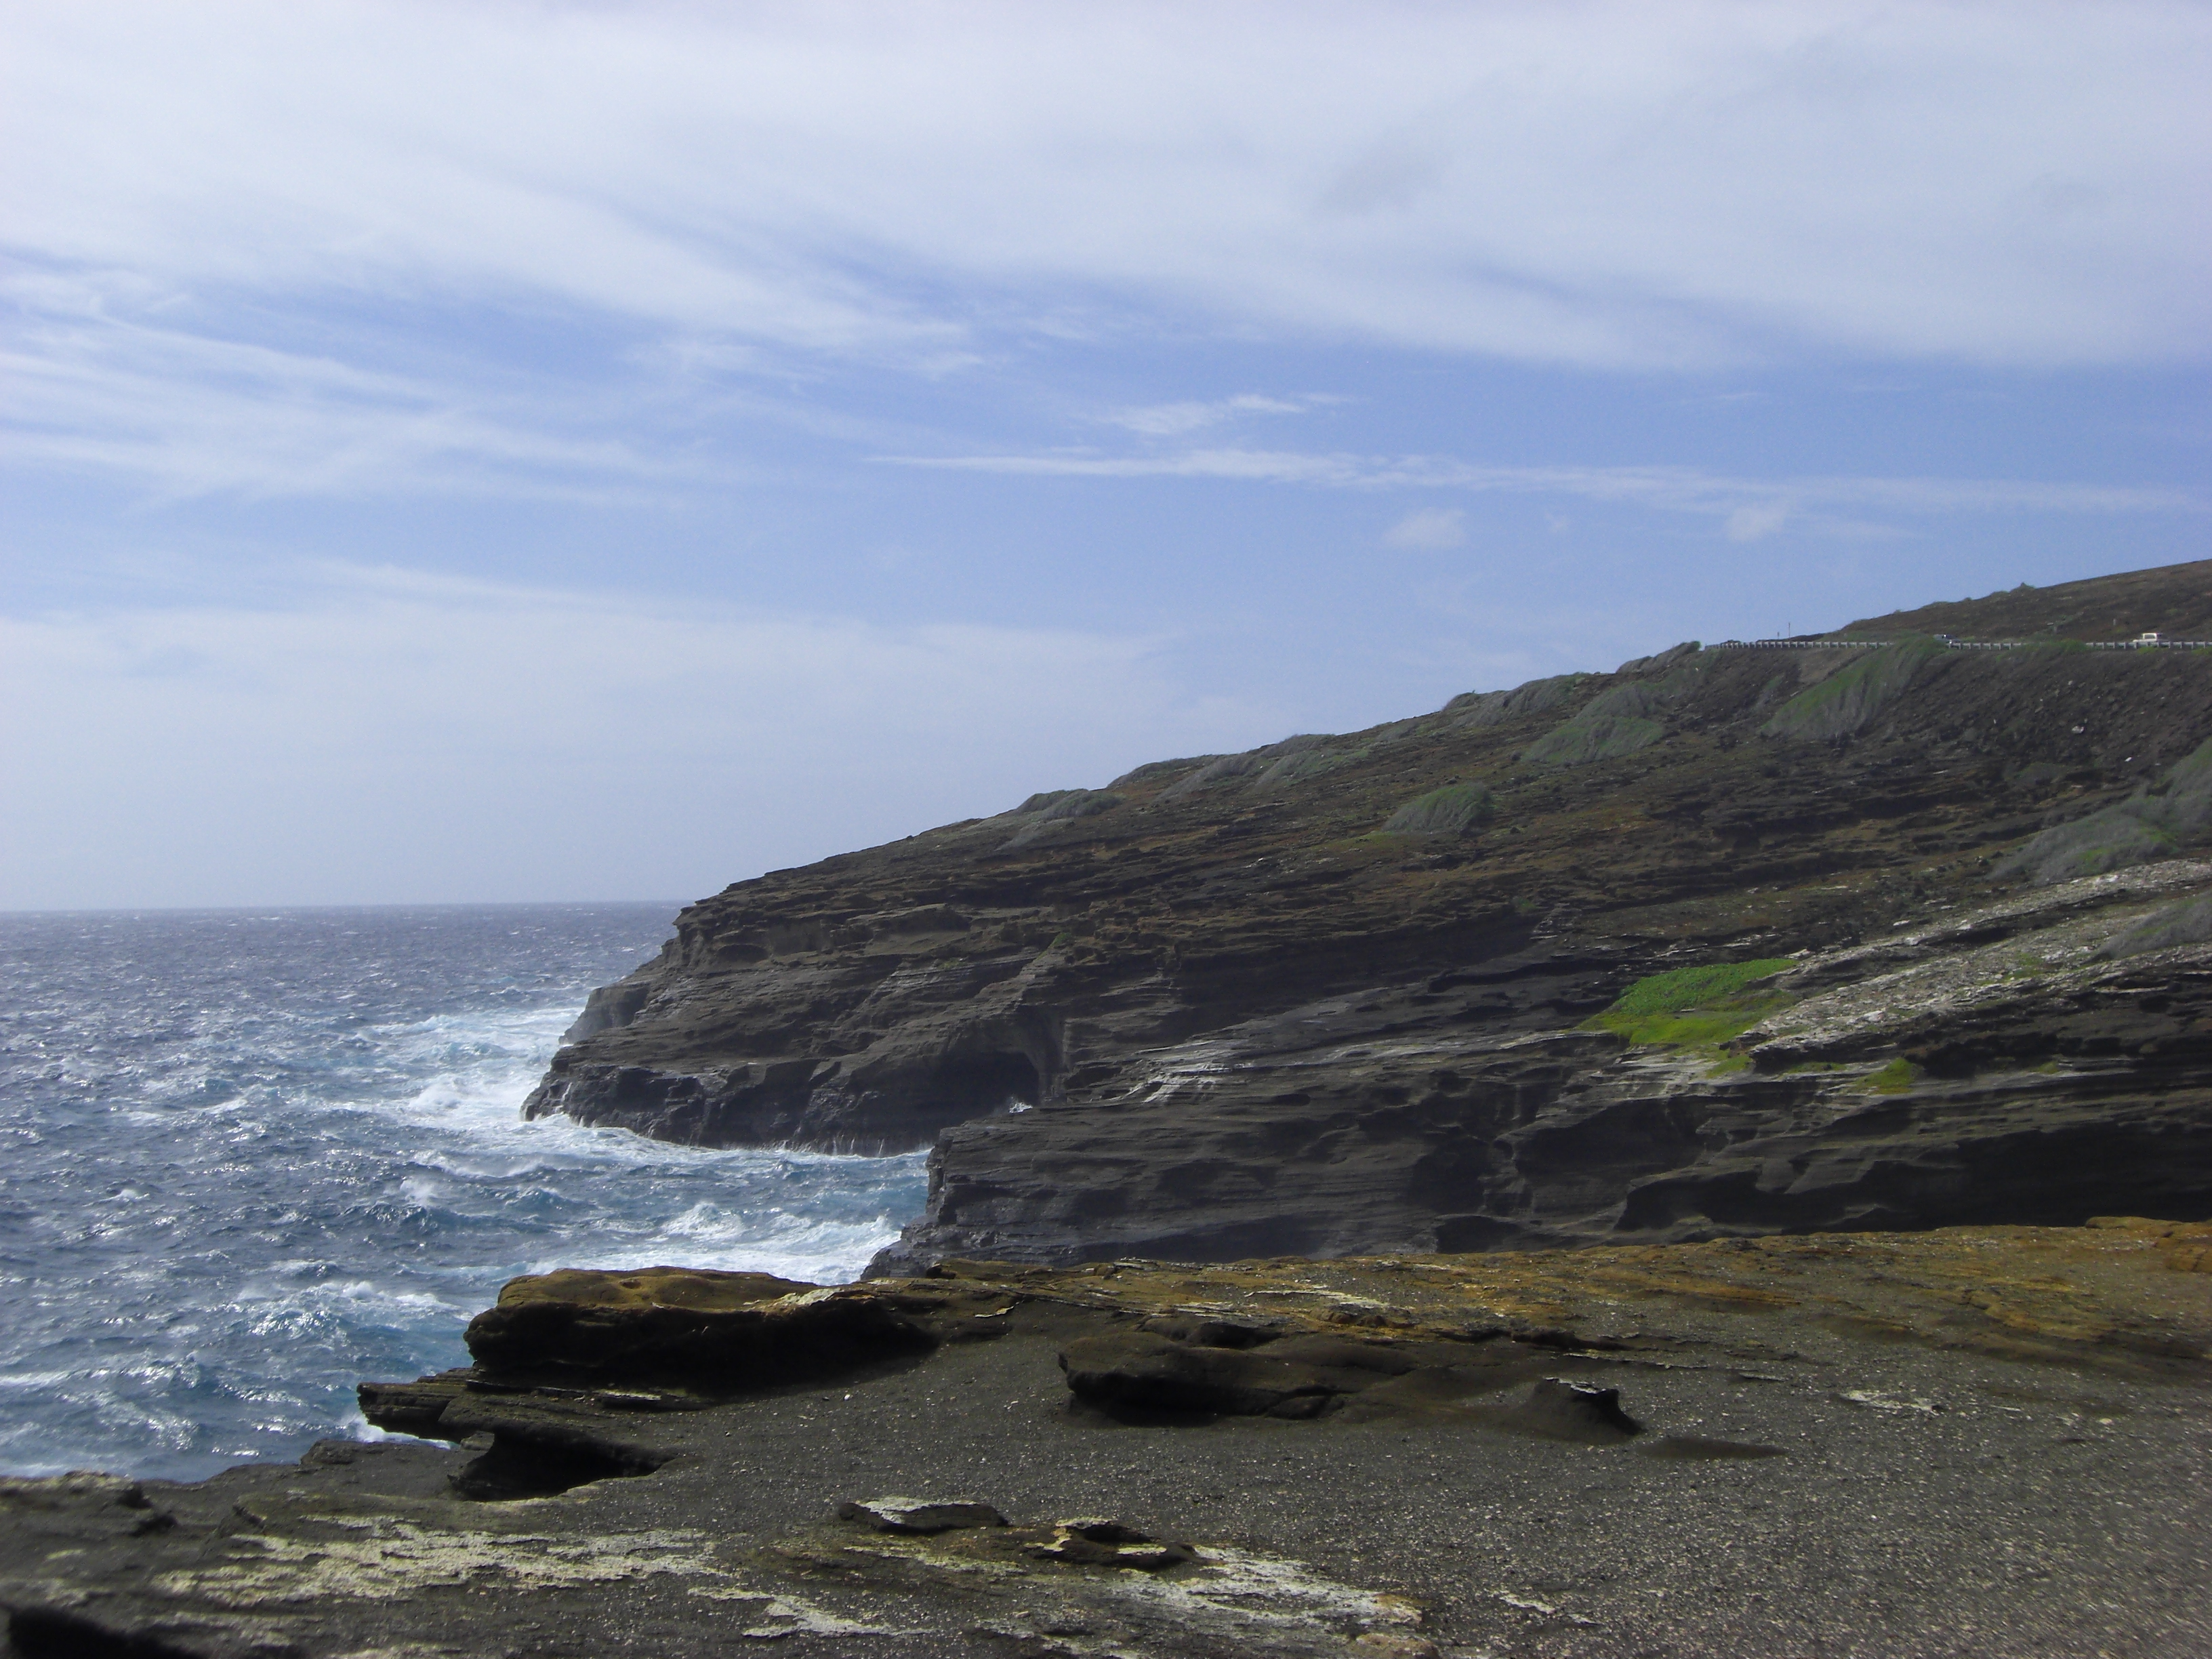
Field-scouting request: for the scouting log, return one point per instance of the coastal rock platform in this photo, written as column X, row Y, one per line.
column 1955, row 1442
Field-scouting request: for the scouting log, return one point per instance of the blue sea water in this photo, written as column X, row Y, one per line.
column 250, row 1159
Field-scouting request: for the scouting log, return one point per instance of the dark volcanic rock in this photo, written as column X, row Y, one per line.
column 1919, row 1445
column 1327, row 996
column 915, row 1515
column 1562, row 1411
column 1148, row 1373
column 1990, row 1070
column 720, row 1331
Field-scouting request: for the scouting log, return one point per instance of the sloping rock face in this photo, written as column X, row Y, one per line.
column 2001, row 1066
column 1286, row 1001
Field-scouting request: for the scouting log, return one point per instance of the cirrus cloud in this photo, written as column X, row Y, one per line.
column 1604, row 184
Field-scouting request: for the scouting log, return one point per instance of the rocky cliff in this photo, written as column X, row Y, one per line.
column 1728, row 940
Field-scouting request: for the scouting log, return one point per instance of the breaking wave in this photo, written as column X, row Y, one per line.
column 251, row 1161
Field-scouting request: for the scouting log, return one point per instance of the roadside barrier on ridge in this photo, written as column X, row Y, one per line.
column 2151, row 643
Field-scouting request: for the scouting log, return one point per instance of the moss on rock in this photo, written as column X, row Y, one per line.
column 1698, row 1007
column 1453, row 809
column 1847, row 701
column 2155, row 823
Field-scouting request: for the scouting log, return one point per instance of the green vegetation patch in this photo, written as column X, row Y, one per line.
column 1307, row 763
column 1697, row 1007
column 1848, row 700
column 1586, row 738
column 1682, row 988
column 2158, row 822
column 1059, row 806
column 1079, row 803
column 1478, row 709
column 2189, row 922
column 1895, row 1078
column 1451, row 810
column 1617, row 722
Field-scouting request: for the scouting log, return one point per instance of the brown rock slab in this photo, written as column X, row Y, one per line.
column 726, row 1332
column 1096, row 1541
column 1982, row 1427
column 917, row 1515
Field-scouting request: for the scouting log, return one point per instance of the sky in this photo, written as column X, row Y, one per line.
column 484, row 451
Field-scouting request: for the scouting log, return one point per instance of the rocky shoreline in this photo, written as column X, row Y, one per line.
column 1969, row 1441
column 1360, row 992
column 1635, row 1165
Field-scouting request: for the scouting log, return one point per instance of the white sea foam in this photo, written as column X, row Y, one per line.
column 32, row 1379
column 290, row 1154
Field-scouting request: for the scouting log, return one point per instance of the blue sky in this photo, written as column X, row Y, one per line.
column 510, row 452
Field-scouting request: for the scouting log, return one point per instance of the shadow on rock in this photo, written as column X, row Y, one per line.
column 724, row 1332
column 1179, row 1369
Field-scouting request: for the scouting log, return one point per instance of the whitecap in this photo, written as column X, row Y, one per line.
column 292, row 1157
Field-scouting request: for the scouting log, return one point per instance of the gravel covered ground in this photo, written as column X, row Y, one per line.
column 1929, row 1499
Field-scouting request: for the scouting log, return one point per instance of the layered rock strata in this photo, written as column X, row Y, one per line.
column 1999, row 1066
column 1334, row 994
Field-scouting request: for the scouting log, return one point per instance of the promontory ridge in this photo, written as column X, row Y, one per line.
column 1881, row 930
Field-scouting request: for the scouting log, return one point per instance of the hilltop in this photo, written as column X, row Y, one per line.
column 2175, row 600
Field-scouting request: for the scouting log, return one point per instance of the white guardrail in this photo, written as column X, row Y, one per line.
column 2141, row 643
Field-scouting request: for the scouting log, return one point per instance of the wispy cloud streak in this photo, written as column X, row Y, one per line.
column 1677, row 488
column 1607, row 184
column 1173, row 420
column 1656, row 485
column 185, row 413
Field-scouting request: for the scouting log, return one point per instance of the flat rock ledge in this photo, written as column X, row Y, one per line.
column 1952, row 1442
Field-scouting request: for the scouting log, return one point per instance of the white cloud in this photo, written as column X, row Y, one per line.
column 1754, row 521
column 392, row 736
column 1750, row 506
column 1600, row 182
column 1173, row 420
column 187, row 414
column 1431, row 527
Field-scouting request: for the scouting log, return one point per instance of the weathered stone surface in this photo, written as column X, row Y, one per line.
column 1144, row 1373
column 1096, row 1542
column 917, row 1515
column 1918, row 1444
column 717, row 1331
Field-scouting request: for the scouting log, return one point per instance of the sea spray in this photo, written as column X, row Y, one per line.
column 251, row 1160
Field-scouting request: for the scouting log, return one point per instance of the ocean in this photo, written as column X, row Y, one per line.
column 250, row 1158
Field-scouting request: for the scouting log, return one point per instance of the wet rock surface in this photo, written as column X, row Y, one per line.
column 1327, row 996
column 1928, row 1444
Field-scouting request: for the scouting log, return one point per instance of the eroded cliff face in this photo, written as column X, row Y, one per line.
column 1331, row 995
column 2020, row 1063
